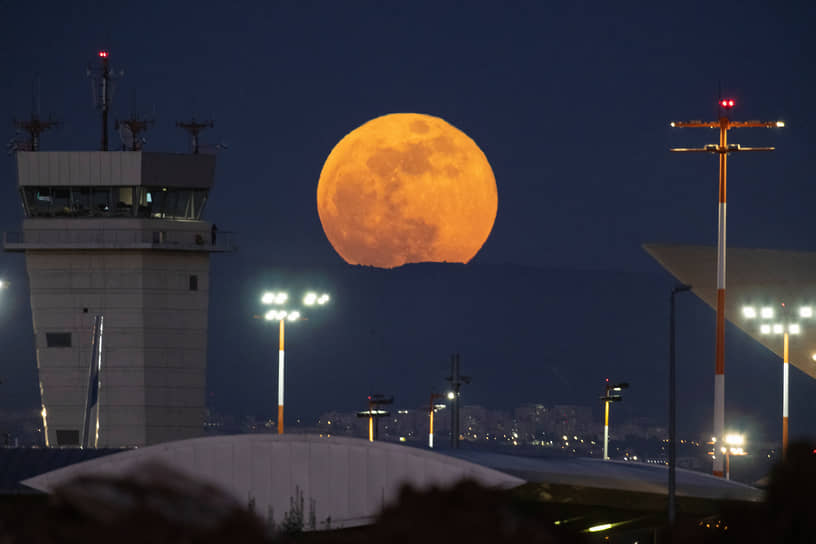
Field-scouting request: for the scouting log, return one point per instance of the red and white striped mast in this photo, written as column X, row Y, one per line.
column 723, row 149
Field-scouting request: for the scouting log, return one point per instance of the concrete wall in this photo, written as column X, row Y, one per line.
column 154, row 344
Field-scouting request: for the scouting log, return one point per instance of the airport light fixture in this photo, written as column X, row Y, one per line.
column 281, row 315
column 785, row 325
column 433, row 408
column 611, row 394
column 722, row 150
column 734, row 443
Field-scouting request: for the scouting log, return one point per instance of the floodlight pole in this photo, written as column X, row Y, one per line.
column 280, row 379
column 723, row 149
column 434, row 396
column 785, row 367
column 606, row 430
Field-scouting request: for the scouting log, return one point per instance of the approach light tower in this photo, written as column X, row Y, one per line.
column 722, row 150
column 118, row 234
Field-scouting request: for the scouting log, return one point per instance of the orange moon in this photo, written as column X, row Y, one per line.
column 406, row 188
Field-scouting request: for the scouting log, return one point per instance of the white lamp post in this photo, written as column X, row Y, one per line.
column 733, row 446
column 785, row 326
column 281, row 315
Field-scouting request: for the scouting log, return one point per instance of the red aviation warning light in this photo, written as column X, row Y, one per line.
column 727, row 103
column 103, row 54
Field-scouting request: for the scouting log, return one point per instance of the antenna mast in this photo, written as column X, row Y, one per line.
column 102, row 81
column 33, row 126
column 133, row 127
column 194, row 128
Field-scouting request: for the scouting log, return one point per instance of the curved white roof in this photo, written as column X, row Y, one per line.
column 350, row 480
column 346, row 479
column 620, row 475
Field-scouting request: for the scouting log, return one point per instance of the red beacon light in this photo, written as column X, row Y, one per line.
column 103, row 54
column 727, row 103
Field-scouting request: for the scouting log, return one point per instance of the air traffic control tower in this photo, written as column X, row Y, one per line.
column 118, row 234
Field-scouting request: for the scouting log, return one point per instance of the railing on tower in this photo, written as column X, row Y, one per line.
column 119, row 239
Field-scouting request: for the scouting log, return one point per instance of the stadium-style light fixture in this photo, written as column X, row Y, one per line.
column 786, row 326
column 281, row 315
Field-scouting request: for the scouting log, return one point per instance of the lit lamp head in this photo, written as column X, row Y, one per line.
column 271, row 297
column 311, row 298
column 451, row 395
column 749, row 312
column 3, row 284
column 735, row 439
column 767, row 312
column 275, row 315
column 806, row 312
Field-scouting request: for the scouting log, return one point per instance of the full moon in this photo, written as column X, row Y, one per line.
column 406, row 188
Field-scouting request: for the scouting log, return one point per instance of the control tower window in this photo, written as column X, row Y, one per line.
column 81, row 200
column 155, row 202
column 37, row 201
column 61, row 201
column 101, row 201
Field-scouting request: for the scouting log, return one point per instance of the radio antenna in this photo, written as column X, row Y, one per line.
column 102, row 79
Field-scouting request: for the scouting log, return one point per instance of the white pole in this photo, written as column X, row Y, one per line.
column 606, row 430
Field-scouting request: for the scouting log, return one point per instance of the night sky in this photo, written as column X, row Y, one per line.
column 570, row 103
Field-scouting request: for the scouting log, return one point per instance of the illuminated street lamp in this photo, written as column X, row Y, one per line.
column 784, row 326
column 611, row 394
column 433, row 408
column 733, row 446
column 279, row 298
